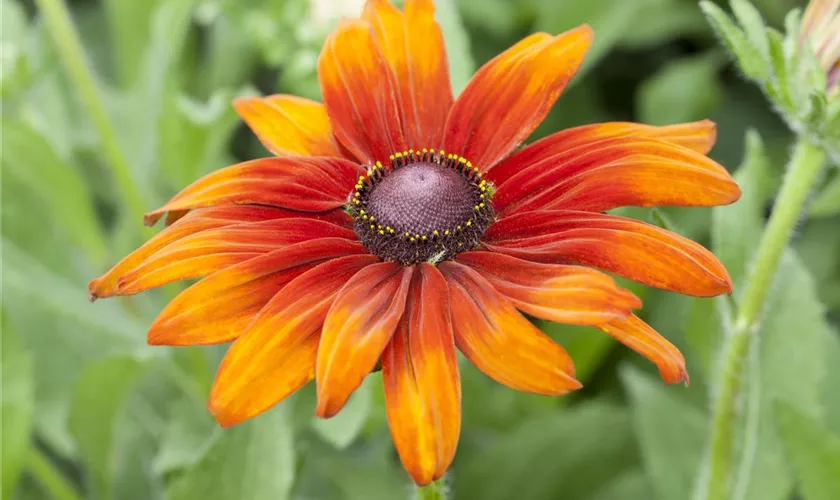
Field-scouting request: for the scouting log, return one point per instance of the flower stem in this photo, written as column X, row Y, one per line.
column 60, row 26
column 433, row 491
column 50, row 479
column 803, row 172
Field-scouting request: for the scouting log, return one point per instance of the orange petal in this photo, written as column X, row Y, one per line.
column 412, row 45
column 276, row 354
column 211, row 250
column 510, row 95
column 500, row 341
column 618, row 172
column 359, row 325
column 420, row 377
column 194, row 222
column 360, row 93
column 556, row 292
column 697, row 136
column 297, row 183
column 630, row 248
column 288, row 125
column 639, row 336
column 220, row 307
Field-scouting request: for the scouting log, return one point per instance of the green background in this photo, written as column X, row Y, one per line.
column 90, row 411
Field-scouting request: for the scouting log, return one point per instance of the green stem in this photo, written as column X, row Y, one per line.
column 60, row 26
column 433, row 491
column 803, row 172
column 52, row 480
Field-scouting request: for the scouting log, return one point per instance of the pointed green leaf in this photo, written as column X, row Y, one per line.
column 190, row 431
column 750, row 20
column 254, row 459
column 785, row 367
column 781, row 80
column 749, row 57
column 813, row 452
column 671, row 434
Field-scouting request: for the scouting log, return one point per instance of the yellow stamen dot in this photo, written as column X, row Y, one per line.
column 481, row 196
column 436, row 232
column 446, row 232
column 381, row 232
column 379, row 164
column 390, row 230
column 361, row 178
column 469, row 223
column 365, row 217
column 481, row 205
column 379, row 226
column 423, row 238
column 407, row 235
column 475, row 207
column 372, row 226
column 458, row 228
column 356, row 202
column 372, row 219
column 362, row 212
column 412, row 239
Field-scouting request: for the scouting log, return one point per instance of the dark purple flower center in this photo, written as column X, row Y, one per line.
column 423, row 206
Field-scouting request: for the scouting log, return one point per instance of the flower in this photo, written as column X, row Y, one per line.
column 821, row 28
column 396, row 223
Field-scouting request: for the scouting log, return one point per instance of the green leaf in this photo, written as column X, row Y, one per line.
column 779, row 85
column 99, row 393
column 684, row 90
column 342, row 429
column 787, row 368
column 54, row 183
column 456, row 39
column 568, row 454
column 128, row 26
column 189, row 433
column 254, row 459
column 753, row 25
column 671, row 434
column 813, row 452
column 64, row 331
column 16, row 406
column 827, row 201
column 736, row 228
column 748, row 56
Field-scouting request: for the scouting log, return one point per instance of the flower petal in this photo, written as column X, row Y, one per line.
column 276, row 354
column 639, row 336
column 565, row 294
column 412, row 45
column 697, row 136
column 630, row 248
column 618, row 172
column 212, row 250
column 359, row 325
column 500, row 341
column 316, row 184
column 360, row 93
column 288, row 125
column 420, row 377
column 220, row 307
column 510, row 95
column 192, row 223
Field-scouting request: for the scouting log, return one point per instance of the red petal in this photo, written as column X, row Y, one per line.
column 196, row 221
column 617, row 172
column 212, row 250
column 566, row 294
column 510, row 95
column 420, row 376
column 276, row 354
column 360, row 93
column 359, row 325
column 697, row 136
column 500, row 341
column 639, row 336
column 220, row 307
column 633, row 249
column 289, row 125
column 412, row 45
column 297, row 183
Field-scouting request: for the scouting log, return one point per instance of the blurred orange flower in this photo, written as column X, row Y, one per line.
column 396, row 223
column 821, row 28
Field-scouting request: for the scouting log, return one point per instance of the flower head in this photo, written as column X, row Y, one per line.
column 821, row 28
column 396, row 223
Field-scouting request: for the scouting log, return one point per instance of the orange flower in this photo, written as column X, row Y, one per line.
column 396, row 223
column 821, row 28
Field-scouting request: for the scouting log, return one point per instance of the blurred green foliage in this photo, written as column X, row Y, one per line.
column 90, row 411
